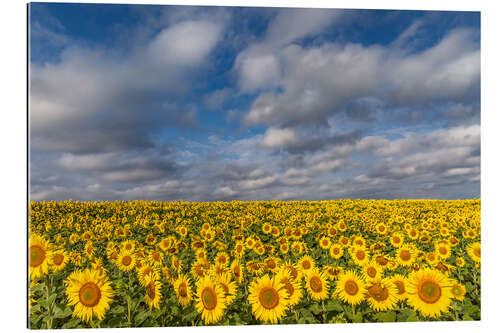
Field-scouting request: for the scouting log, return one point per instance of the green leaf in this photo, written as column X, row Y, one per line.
column 407, row 315
column 316, row 309
column 386, row 316
column 72, row 323
column 358, row 317
column 62, row 311
column 38, row 287
column 140, row 317
column 334, row 305
column 117, row 309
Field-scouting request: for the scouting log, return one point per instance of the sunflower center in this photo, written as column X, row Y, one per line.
column 401, row 287
column 37, row 255
column 293, row 272
column 477, row 252
column 90, row 294
column 128, row 246
column 405, row 255
column 269, row 298
column 316, row 284
column 442, row 250
column 183, row 290
column 126, row 260
column 289, row 287
column 360, row 255
column 151, row 290
column 396, row 239
column 381, row 260
column 429, row 292
column 456, row 291
column 351, row 287
column 156, row 256
column 271, row 264
column 336, row 250
column 306, row 264
column 58, row 259
column 378, row 292
column 209, row 298
column 371, row 271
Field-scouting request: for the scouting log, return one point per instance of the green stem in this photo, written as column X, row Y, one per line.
column 48, row 286
column 129, row 308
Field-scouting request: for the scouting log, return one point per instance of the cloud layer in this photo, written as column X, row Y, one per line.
column 246, row 104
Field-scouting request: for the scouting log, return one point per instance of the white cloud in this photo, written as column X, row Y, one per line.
column 318, row 82
column 257, row 183
column 276, row 137
column 184, row 44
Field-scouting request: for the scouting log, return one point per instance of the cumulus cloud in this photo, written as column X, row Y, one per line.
column 320, row 117
column 320, row 81
column 97, row 99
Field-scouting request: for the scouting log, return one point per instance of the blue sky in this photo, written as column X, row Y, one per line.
column 234, row 103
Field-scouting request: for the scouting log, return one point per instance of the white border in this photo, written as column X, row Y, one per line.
column 13, row 200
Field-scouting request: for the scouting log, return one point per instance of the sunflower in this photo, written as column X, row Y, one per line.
column 266, row 228
column 292, row 286
column 381, row 294
column 255, row 267
column 372, row 271
column 144, row 271
column 429, row 292
column 239, row 249
column 317, row 284
column 431, row 258
column 237, row 271
column 474, row 251
column 153, row 291
column 176, row 264
column 306, row 264
column 458, row 290
column 229, row 287
column 405, row 256
column 269, row 299
column 325, row 243
column 125, row 261
column 182, row 287
column 396, row 239
column 400, row 282
column 58, row 260
column 249, row 243
column 292, row 269
column 460, row 262
column 199, row 268
column 443, row 251
column 350, row 288
column 222, row 259
column 210, row 300
column 359, row 255
column 413, row 234
column 272, row 264
column 128, row 245
column 381, row 229
column 39, row 255
column 90, row 293
column 333, row 272
column 155, row 257
column 336, row 251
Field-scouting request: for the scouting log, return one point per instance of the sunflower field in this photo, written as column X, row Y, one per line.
column 152, row 263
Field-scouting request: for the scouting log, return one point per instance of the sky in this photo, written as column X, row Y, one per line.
column 191, row 103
